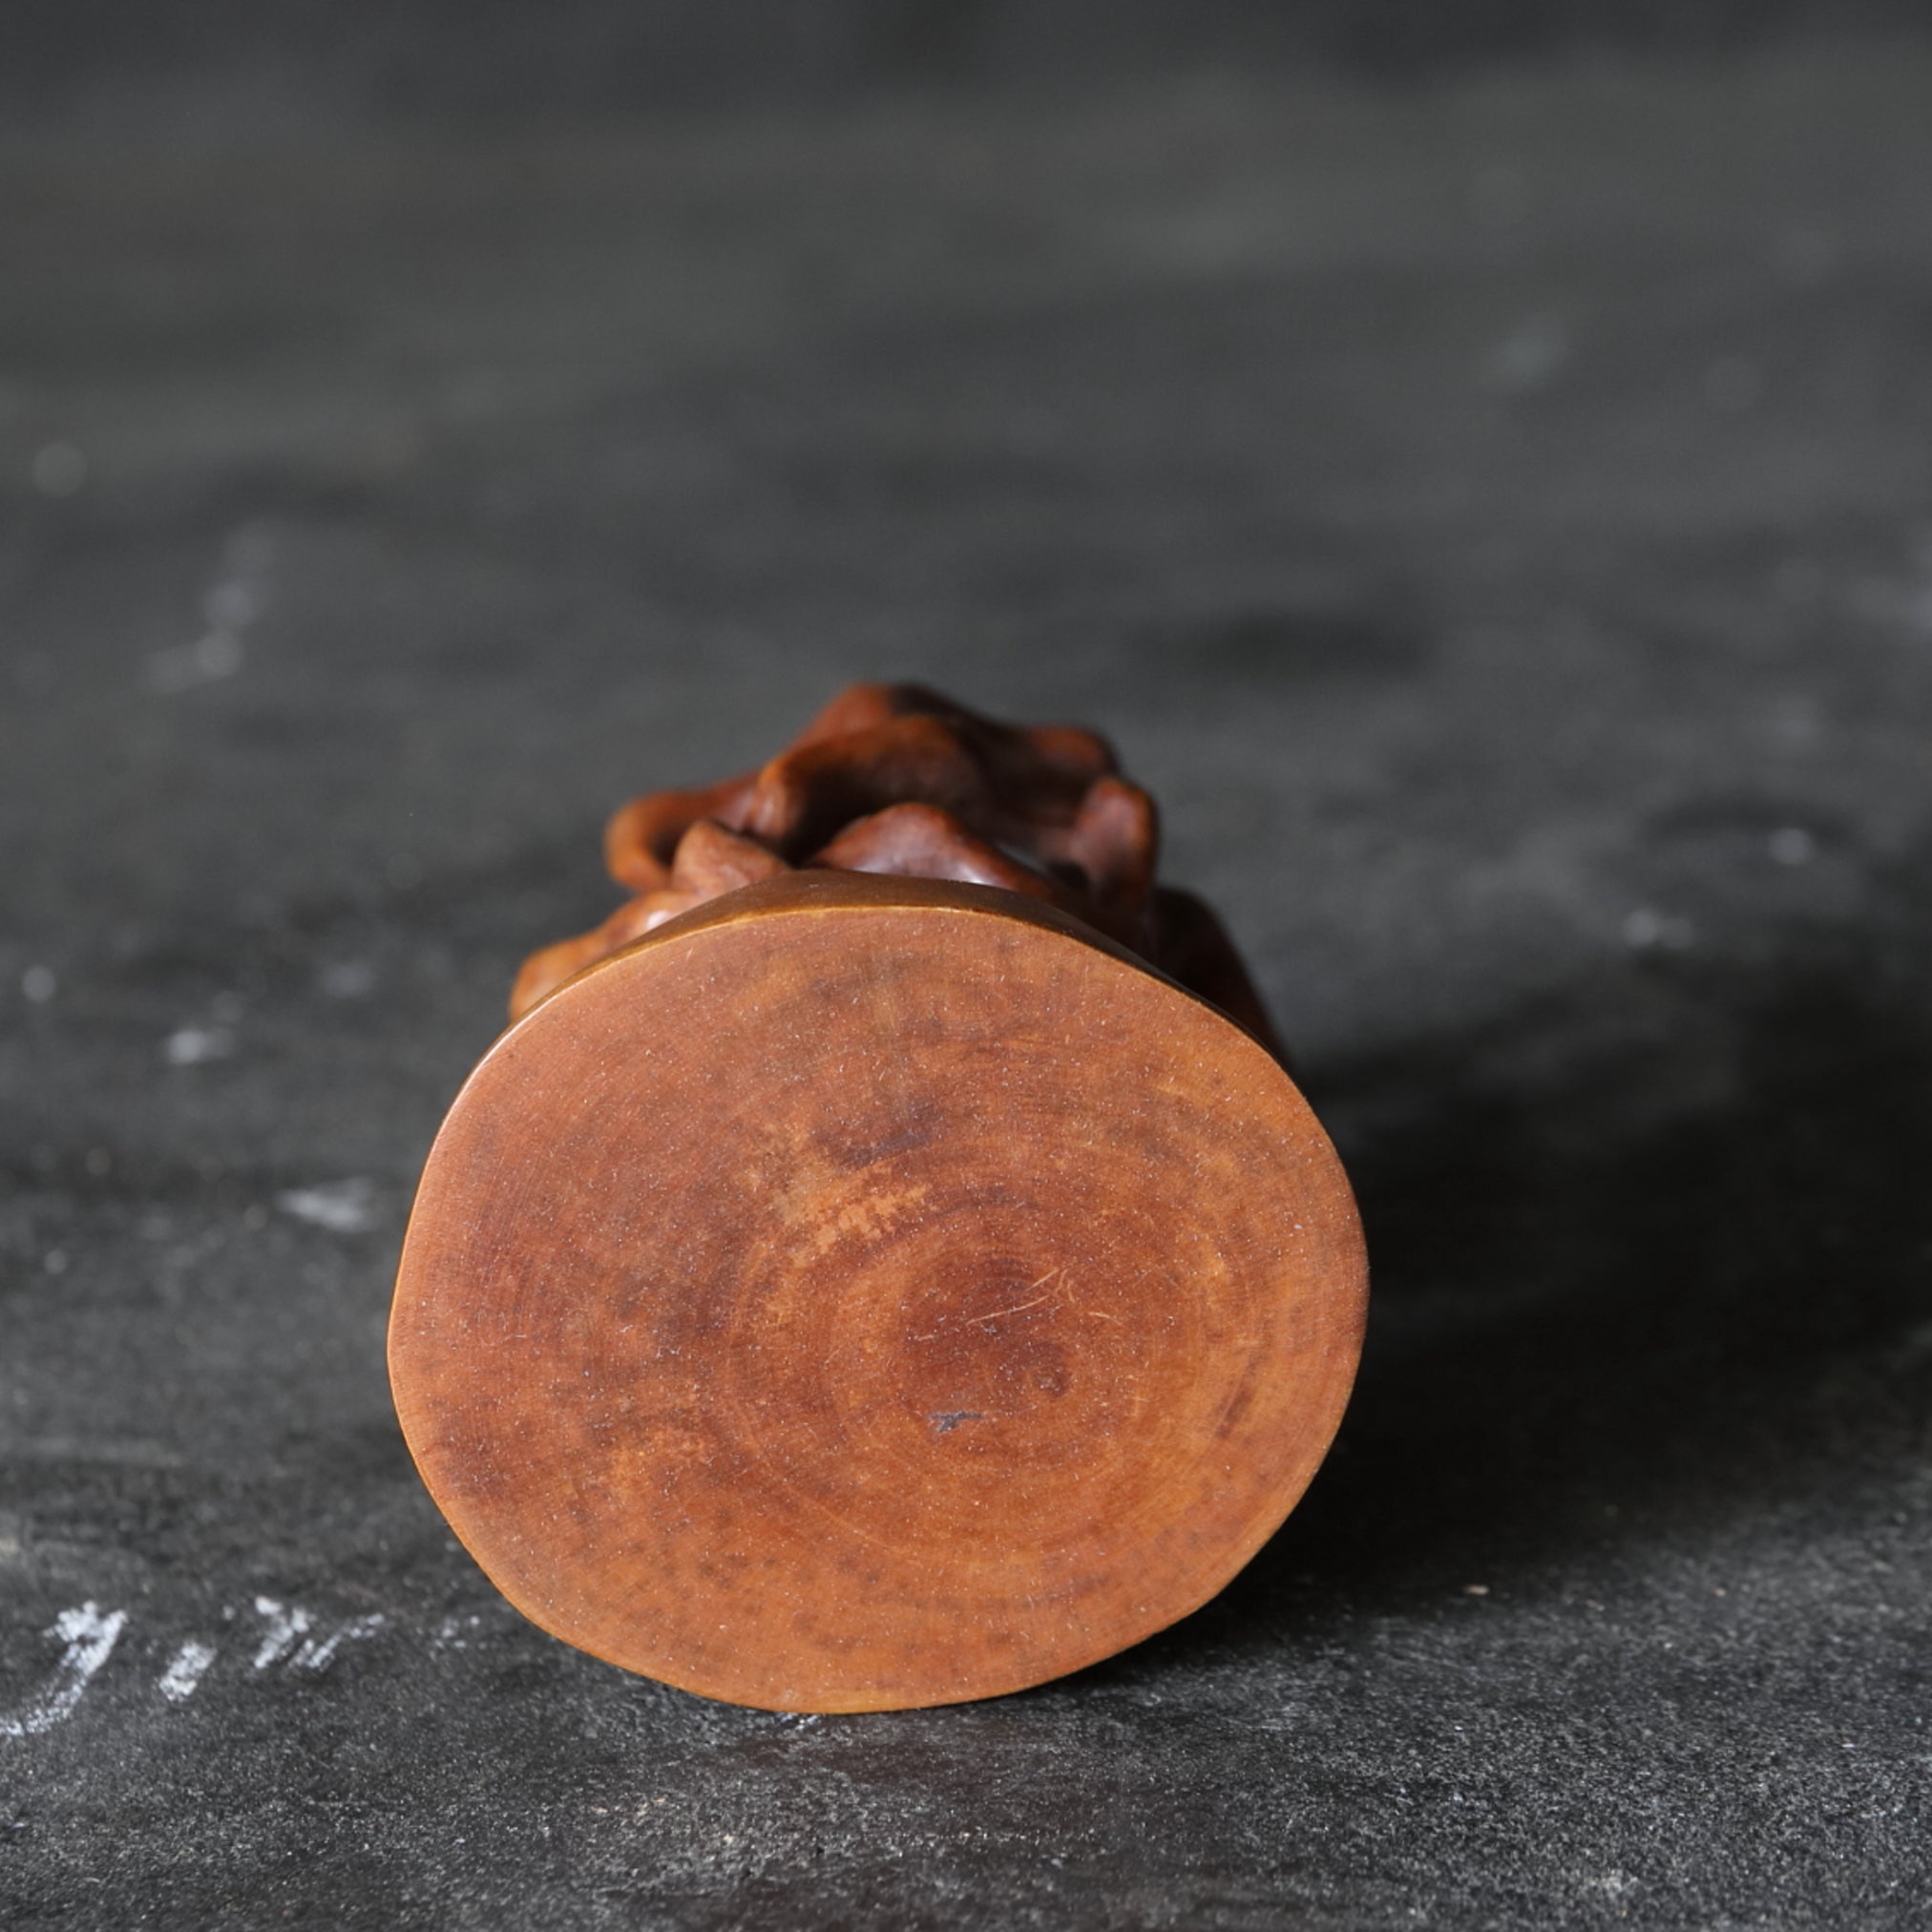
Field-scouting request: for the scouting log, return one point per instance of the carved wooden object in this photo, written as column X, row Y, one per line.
column 864, row 1277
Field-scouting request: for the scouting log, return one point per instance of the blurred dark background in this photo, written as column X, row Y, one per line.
column 1477, row 461
column 228, row 61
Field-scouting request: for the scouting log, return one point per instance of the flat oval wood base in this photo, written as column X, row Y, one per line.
column 867, row 1292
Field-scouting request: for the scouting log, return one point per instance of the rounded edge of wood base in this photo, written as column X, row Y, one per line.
column 784, row 1366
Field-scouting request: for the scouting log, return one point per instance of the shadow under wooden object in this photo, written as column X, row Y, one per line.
column 854, row 1289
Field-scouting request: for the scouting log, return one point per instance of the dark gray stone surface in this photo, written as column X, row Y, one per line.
column 1497, row 520
column 259, row 64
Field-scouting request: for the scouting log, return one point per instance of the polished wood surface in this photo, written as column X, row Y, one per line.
column 866, row 1291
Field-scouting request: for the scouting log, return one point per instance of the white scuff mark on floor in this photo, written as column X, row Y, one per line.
column 346, row 978
column 90, row 1634
column 1612, row 1884
column 342, row 1207
column 454, row 1633
column 192, row 1045
column 184, row 667
column 319, row 1656
column 288, row 1624
column 186, row 1668
column 303, row 1641
column 229, row 605
column 1647, row 929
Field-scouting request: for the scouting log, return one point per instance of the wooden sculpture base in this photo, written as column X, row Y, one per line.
column 872, row 1291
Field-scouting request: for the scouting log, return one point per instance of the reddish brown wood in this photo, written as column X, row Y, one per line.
column 873, row 1290
column 896, row 779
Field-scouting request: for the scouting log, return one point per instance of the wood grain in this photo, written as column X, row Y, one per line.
column 871, row 1292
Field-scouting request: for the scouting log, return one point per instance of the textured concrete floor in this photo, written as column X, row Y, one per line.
column 1497, row 518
